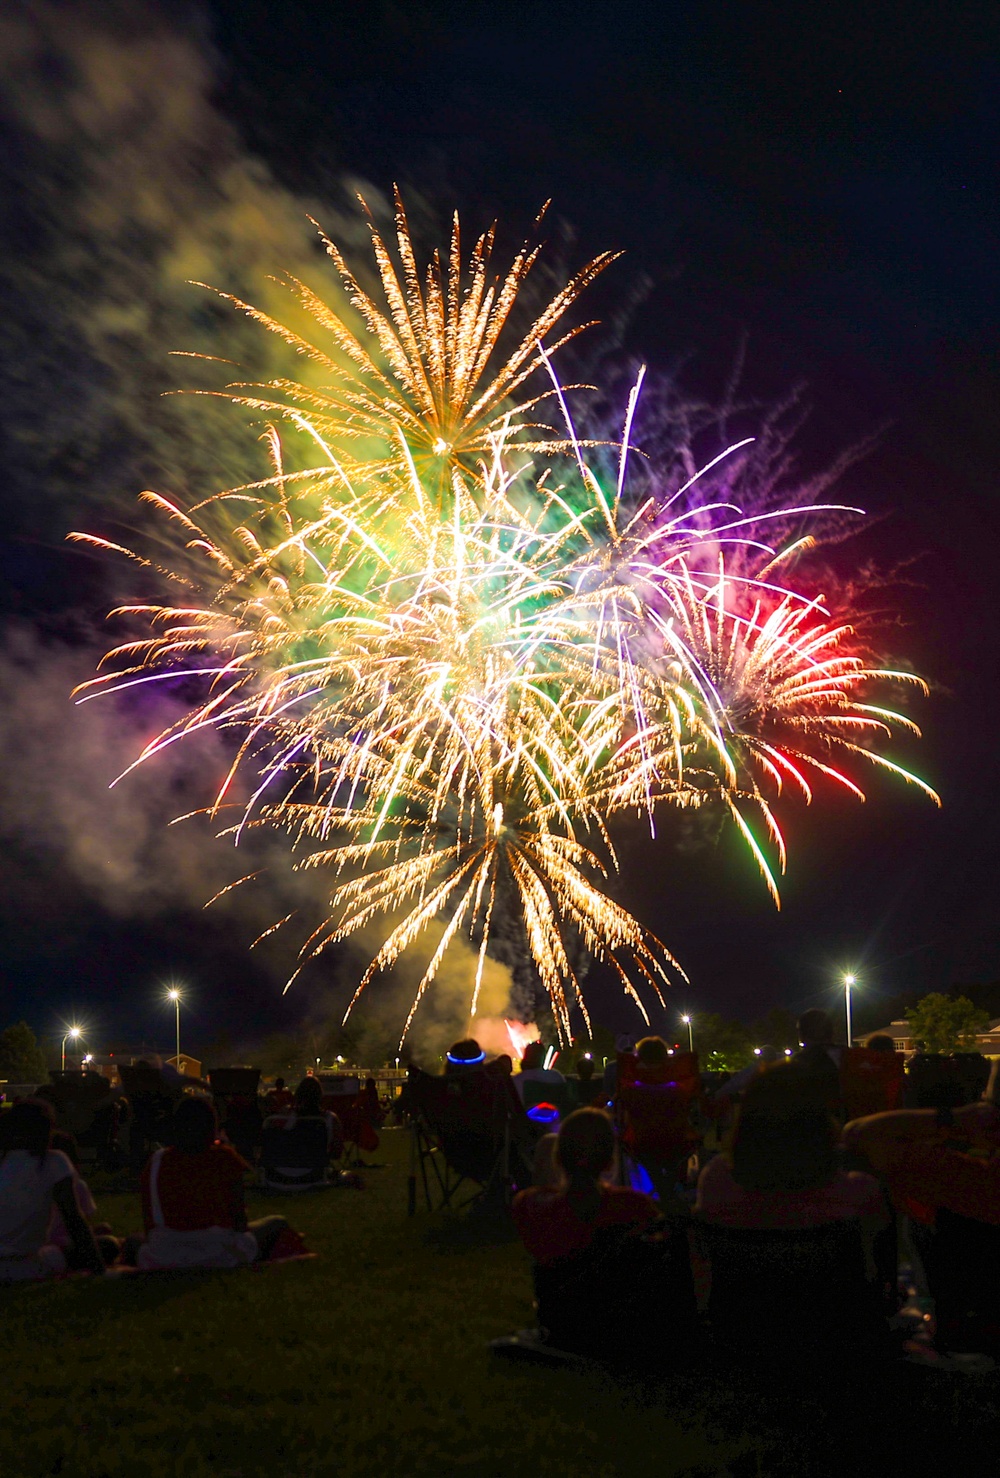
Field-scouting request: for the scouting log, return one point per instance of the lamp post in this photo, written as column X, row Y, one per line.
column 175, row 996
column 687, row 1022
column 849, row 980
column 74, row 1032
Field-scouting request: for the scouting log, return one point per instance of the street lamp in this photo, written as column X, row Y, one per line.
column 74, row 1032
column 175, row 996
column 687, row 1022
column 849, row 980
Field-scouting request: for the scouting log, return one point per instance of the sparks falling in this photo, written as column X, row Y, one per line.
column 449, row 650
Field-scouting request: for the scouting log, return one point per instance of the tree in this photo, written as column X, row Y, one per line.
column 722, row 1046
column 21, row 1058
column 940, row 1023
column 779, row 1028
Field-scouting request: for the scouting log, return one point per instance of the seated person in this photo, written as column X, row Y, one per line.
column 652, row 1060
column 279, row 1098
column 880, row 1043
column 592, row 1273
column 588, row 1085
column 532, row 1071
column 193, row 1201
column 817, row 1059
column 939, row 1158
column 307, row 1103
column 464, row 1056
column 108, row 1245
column 34, row 1178
column 781, row 1171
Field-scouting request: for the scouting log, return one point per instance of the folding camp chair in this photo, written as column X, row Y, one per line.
column 467, row 1127
column 344, row 1096
column 151, row 1104
column 85, row 1108
column 870, row 1082
column 234, row 1092
column 294, row 1159
column 792, row 1300
column 654, row 1114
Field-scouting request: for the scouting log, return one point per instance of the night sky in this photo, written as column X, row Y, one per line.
column 820, row 183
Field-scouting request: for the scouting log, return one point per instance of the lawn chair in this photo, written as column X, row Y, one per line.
column 654, row 1117
column 84, row 1107
column 467, row 1127
column 294, row 1159
column 870, row 1082
column 151, row 1105
column 234, row 1093
column 792, row 1301
column 625, row 1299
column 345, row 1097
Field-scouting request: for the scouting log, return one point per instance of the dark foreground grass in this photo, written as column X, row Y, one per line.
column 371, row 1360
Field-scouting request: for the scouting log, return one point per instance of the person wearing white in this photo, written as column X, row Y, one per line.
column 33, row 1179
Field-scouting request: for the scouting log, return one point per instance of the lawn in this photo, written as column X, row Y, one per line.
column 370, row 1360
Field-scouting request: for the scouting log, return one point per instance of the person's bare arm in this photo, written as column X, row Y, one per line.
column 878, row 1137
column 80, row 1235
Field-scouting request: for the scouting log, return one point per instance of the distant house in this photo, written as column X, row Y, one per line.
column 189, row 1066
column 988, row 1042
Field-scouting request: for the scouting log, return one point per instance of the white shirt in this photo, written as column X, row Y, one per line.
column 26, row 1199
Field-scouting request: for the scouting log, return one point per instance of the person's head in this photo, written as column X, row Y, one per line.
column 785, row 1138
column 651, row 1052
column 28, row 1126
column 504, row 1064
column 585, row 1069
column 586, row 1145
column 881, row 1043
column 60, row 1140
column 194, row 1126
column 815, row 1028
column 309, row 1097
column 533, row 1056
column 464, row 1053
column 279, row 1084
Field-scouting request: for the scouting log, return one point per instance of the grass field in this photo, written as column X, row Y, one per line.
column 370, row 1360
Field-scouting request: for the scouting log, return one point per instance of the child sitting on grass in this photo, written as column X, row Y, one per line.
column 193, row 1200
column 34, row 1178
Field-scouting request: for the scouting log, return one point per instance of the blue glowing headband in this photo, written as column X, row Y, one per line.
column 466, row 1061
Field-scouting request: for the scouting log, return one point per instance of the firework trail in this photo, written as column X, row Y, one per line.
column 451, row 649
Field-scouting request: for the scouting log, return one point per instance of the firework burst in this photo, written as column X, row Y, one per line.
column 449, row 651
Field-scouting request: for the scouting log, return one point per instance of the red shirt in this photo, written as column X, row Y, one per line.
column 194, row 1191
column 550, row 1227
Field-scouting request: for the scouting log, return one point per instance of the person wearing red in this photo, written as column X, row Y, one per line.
column 933, row 1159
column 597, row 1278
column 193, row 1201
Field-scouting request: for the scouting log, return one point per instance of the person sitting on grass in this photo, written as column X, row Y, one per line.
column 595, row 1280
column 34, row 1178
column 193, row 1200
column 533, row 1070
column 108, row 1245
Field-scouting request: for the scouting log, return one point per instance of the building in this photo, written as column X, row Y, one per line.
column 189, row 1066
column 987, row 1042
